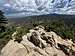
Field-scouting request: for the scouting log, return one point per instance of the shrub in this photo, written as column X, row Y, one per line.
column 20, row 32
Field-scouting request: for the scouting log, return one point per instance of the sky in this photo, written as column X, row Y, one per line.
column 15, row 8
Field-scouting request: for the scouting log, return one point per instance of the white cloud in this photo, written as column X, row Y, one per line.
column 39, row 7
column 7, row 5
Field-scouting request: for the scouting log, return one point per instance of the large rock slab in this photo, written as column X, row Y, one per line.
column 13, row 49
column 38, row 42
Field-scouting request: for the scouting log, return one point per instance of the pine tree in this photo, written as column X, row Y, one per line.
column 3, row 21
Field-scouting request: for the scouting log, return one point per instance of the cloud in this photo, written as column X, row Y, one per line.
column 39, row 7
column 7, row 5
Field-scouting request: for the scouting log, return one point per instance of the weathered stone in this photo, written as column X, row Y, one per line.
column 13, row 49
column 39, row 43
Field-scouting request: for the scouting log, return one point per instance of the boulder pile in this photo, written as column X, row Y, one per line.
column 38, row 42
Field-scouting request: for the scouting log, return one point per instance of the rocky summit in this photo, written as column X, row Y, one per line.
column 38, row 42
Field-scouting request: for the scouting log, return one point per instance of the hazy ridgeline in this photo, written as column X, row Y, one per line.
column 69, row 19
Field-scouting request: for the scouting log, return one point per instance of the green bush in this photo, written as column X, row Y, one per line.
column 6, row 36
column 20, row 32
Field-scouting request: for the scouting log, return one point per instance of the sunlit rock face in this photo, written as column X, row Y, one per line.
column 39, row 42
column 39, row 7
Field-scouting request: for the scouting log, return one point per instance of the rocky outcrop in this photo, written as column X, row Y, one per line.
column 38, row 42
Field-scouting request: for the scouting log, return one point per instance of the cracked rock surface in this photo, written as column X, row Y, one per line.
column 38, row 42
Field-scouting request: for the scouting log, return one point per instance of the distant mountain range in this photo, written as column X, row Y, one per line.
column 69, row 19
column 37, row 7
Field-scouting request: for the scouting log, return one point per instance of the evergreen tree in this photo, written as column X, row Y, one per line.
column 3, row 21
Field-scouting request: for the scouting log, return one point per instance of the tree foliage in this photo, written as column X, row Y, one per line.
column 3, row 21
